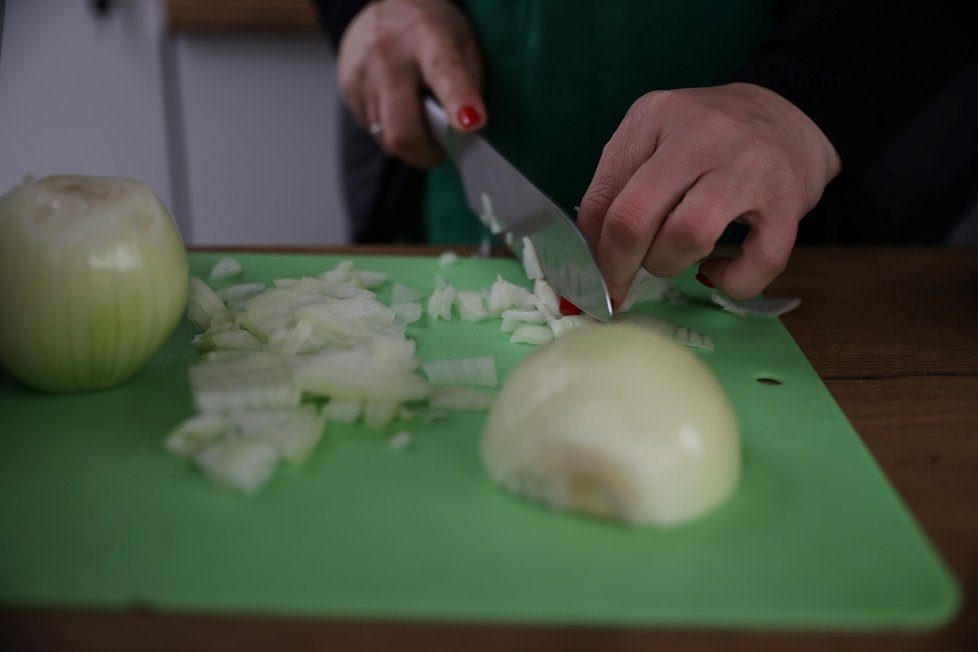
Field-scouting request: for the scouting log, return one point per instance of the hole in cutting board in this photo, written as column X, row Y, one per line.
column 767, row 379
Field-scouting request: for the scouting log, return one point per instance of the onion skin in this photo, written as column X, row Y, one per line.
column 93, row 281
column 617, row 422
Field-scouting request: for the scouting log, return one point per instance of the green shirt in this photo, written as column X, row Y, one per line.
column 561, row 74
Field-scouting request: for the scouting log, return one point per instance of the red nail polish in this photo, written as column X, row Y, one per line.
column 567, row 308
column 469, row 116
column 701, row 277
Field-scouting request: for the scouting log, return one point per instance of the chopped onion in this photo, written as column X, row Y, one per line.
column 447, row 258
column 399, row 440
column 239, row 464
column 379, row 413
column 240, row 292
column 760, row 307
column 567, row 324
column 504, row 295
column 251, row 381
column 531, row 264
column 447, row 397
column 682, row 334
column 343, row 410
column 646, row 287
column 194, row 434
column 293, row 433
column 471, row 306
column 479, row 371
column 440, row 303
column 547, row 300
column 93, row 280
column 225, row 268
column 401, row 294
column 531, row 334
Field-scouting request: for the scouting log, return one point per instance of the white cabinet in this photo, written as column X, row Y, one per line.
column 260, row 132
column 80, row 95
column 237, row 135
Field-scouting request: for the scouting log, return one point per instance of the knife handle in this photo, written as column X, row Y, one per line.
column 440, row 128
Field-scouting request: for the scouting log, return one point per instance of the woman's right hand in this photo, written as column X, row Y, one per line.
column 396, row 50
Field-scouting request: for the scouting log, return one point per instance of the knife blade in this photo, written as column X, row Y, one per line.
column 510, row 205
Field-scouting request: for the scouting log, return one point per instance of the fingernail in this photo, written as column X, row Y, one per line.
column 701, row 277
column 567, row 308
column 469, row 116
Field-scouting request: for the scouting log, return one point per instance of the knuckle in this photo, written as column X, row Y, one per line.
column 770, row 262
column 383, row 45
column 443, row 61
column 626, row 223
column 598, row 198
column 692, row 232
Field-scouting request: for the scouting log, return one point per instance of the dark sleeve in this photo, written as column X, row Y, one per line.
column 862, row 70
column 336, row 15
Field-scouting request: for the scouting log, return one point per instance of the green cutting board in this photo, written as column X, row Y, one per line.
column 94, row 512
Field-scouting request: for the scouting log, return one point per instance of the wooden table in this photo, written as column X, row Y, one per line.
column 894, row 335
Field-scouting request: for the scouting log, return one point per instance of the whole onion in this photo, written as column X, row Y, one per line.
column 93, row 280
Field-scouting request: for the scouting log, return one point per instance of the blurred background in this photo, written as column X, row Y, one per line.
column 226, row 108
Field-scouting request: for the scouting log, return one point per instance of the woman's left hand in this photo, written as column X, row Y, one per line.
column 684, row 164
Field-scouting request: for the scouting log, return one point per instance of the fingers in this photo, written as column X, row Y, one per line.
column 633, row 220
column 630, row 146
column 690, row 232
column 402, row 129
column 764, row 255
column 453, row 82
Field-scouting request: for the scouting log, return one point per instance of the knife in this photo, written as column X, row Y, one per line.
column 510, row 205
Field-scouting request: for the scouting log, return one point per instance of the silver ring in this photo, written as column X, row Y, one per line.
column 375, row 128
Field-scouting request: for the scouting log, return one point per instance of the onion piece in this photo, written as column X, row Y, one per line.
column 401, row 294
column 225, row 268
column 399, row 440
column 408, row 312
column 504, row 295
column 195, row 433
column 440, row 303
column 531, row 263
column 531, row 334
column 343, row 410
column 240, row 292
column 564, row 325
column 379, row 413
column 203, row 304
column 251, row 381
column 447, row 258
column 243, row 465
column 356, row 374
column 449, row 397
column 293, row 433
column 646, row 287
column 547, row 300
column 471, row 306
column 681, row 334
column 760, row 307
column 480, row 371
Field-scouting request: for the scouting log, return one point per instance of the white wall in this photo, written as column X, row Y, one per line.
column 260, row 126
column 236, row 135
column 80, row 96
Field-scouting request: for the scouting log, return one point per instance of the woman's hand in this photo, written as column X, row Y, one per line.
column 394, row 50
column 684, row 164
